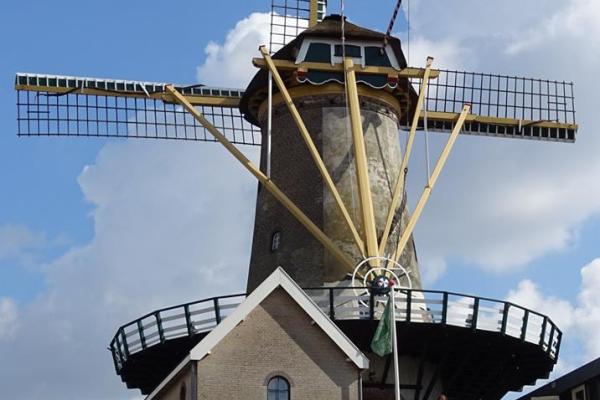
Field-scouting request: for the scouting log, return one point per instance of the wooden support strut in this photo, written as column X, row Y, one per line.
column 431, row 182
column 362, row 166
column 314, row 13
column 342, row 257
column 286, row 65
column 399, row 189
column 314, row 152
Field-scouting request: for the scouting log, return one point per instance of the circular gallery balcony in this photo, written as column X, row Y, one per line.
column 483, row 347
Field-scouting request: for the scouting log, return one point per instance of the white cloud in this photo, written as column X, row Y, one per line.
column 173, row 223
column 472, row 19
column 230, row 64
column 577, row 19
column 8, row 318
column 447, row 53
column 528, row 295
column 580, row 319
column 588, row 311
column 501, row 203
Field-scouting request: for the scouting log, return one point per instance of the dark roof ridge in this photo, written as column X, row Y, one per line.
column 331, row 26
column 571, row 379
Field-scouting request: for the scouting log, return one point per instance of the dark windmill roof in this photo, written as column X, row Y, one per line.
column 330, row 28
column 566, row 382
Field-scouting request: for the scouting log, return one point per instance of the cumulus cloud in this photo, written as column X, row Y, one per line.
column 472, row 19
column 229, row 64
column 588, row 311
column 172, row 223
column 528, row 294
column 503, row 203
column 580, row 319
column 577, row 19
column 447, row 53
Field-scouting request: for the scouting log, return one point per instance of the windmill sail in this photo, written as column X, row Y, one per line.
column 290, row 18
column 503, row 106
column 75, row 106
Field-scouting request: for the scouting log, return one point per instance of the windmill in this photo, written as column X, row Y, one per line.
column 325, row 107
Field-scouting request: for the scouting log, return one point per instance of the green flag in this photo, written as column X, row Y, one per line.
column 382, row 340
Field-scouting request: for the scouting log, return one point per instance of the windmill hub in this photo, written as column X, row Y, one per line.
column 381, row 284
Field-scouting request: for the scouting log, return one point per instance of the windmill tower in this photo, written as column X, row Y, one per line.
column 322, row 109
column 331, row 210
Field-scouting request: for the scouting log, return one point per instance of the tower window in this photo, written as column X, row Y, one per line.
column 275, row 241
column 278, row 389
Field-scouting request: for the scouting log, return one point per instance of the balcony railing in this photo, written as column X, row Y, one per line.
column 346, row 303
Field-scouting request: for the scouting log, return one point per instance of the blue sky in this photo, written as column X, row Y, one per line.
column 96, row 232
column 138, row 40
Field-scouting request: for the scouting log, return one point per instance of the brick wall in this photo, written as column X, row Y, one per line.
column 277, row 337
column 293, row 170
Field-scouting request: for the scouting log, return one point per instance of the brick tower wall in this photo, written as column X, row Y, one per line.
column 292, row 168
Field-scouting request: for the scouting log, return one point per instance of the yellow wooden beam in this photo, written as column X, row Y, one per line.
column 399, row 188
column 450, row 117
column 314, row 13
column 342, row 257
column 285, row 65
column 431, row 182
column 362, row 165
column 217, row 101
column 314, row 152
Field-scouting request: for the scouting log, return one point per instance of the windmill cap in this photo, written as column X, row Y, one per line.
column 330, row 28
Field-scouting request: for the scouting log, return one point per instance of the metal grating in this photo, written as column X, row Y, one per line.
column 529, row 102
column 128, row 109
column 502, row 96
column 502, row 106
column 289, row 18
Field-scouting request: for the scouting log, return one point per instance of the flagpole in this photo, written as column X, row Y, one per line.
column 395, row 348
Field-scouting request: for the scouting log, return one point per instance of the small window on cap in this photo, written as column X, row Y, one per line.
column 275, row 241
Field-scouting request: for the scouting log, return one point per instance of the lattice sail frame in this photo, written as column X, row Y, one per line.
column 501, row 105
column 290, row 17
column 49, row 105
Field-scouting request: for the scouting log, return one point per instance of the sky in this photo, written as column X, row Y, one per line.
column 94, row 233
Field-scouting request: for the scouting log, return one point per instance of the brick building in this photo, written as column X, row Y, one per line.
column 277, row 344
